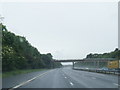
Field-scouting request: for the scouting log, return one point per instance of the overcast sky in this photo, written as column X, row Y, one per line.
column 67, row 30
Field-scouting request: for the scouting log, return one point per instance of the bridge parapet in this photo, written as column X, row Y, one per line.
column 86, row 60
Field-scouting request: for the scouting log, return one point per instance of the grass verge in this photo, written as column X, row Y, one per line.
column 16, row 72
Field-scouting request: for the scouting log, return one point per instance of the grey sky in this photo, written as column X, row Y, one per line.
column 67, row 30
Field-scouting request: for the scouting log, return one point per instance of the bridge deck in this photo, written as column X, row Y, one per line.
column 87, row 60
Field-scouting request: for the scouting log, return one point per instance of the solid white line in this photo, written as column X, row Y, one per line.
column 71, row 84
column 93, row 78
column 101, row 74
column 23, row 83
column 116, row 84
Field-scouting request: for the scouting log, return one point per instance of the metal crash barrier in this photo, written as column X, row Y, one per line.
column 115, row 72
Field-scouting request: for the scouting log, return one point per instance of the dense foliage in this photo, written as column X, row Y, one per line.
column 114, row 54
column 18, row 53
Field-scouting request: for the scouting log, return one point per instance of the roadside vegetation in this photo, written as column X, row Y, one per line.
column 19, row 56
column 18, row 72
column 114, row 54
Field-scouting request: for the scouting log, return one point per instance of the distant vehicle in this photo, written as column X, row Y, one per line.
column 86, row 68
column 104, row 68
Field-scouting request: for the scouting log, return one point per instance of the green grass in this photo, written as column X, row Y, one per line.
column 0, row 75
column 17, row 72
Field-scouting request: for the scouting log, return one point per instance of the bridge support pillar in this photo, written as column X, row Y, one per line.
column 98, row 65
column 94, row 64
column 73, row 64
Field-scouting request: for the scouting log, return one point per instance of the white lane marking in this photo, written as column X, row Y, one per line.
column 17, row 86
column 71, row 84
column 93, row 78
column 116, row 84
column 101, row 74
column 65, row 77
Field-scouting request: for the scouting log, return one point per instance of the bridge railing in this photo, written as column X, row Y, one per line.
column 84, row 60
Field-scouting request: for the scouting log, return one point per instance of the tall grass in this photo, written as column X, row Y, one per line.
column 17, row 72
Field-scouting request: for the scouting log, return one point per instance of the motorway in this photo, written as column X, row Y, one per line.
column 62, row 78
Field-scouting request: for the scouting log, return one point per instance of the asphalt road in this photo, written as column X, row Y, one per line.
column 62, row 78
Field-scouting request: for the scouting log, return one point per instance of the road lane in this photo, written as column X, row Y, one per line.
column 18, row 79
column 68, row 78
column 54, row 79
column 92, row 80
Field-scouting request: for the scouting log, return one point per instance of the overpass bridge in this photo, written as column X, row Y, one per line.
column 94, row 60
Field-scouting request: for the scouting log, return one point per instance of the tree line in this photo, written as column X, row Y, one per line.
column 18, row 53
column 114, row 54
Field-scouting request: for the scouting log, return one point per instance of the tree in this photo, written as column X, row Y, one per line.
column 18, row 53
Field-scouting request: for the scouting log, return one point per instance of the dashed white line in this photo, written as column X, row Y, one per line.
column 71, row 84
column 65, row 77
